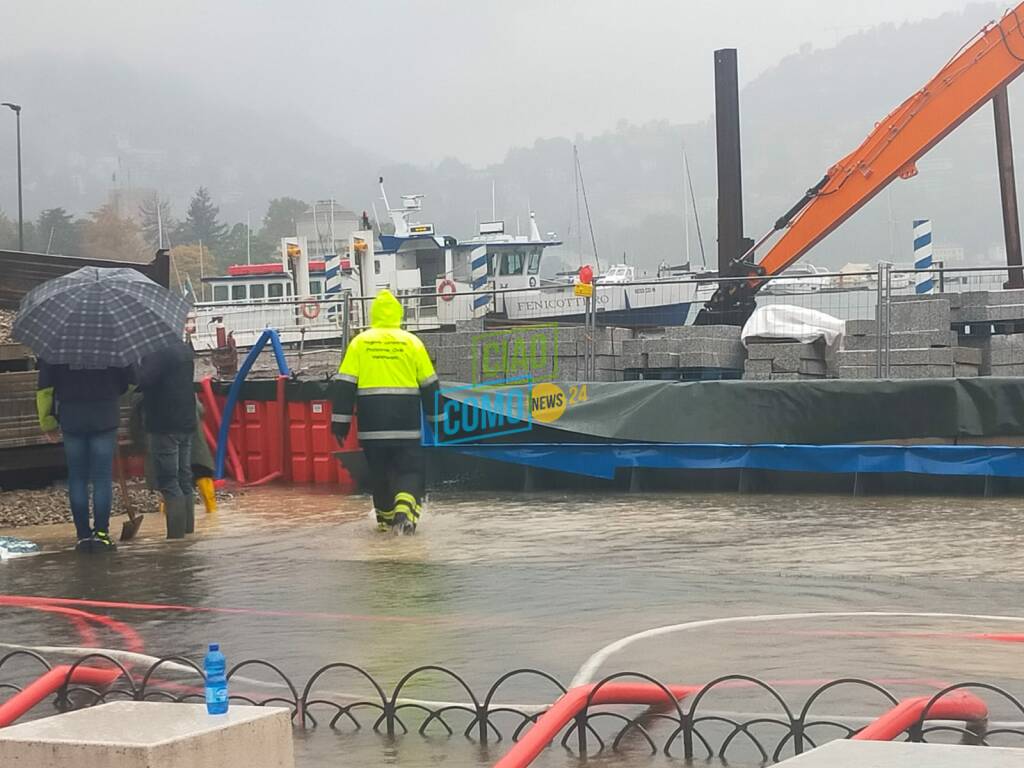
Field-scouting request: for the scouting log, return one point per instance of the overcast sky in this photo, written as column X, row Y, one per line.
column 420, row 81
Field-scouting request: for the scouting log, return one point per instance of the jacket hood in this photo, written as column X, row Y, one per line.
column 386, row 311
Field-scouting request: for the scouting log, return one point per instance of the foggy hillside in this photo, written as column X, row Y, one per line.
column 130, row 128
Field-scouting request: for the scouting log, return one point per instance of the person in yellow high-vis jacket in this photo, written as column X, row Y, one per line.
column 388, row 373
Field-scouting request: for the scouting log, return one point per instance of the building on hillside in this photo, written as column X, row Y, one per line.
column 327, row 227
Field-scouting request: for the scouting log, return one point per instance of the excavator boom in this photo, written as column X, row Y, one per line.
column 993, row 58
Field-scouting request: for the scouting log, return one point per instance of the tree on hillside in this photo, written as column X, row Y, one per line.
column 156, row 216
column 202, row 223
column 282, row 214
column 108, row 236
column 57, row 232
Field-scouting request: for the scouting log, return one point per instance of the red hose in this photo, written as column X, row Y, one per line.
column 956, row 705
column 210, row 404
column 572, row 703
column 50, row 683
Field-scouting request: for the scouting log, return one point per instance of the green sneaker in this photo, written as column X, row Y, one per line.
column 103, row 541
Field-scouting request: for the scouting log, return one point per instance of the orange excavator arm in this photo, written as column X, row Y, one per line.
column 993, row 58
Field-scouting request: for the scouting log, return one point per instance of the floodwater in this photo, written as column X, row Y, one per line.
column 493, row 583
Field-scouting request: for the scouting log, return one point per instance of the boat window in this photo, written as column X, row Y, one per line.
column 275, row 290
column 315, row 287
column 238, row 292
column 512, row 263
column 257, row 291
column 288, row 288
column 533, row 265
column 376, row 266
column 220, row 293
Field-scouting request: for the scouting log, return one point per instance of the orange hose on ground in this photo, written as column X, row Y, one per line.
column 956, row 705
column 50, row 683
column 573, row 702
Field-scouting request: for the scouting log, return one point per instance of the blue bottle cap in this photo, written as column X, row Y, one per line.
column 214, row 646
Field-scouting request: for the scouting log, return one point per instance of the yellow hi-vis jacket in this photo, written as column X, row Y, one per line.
column 388, row 371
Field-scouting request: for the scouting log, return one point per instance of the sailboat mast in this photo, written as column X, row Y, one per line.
column 686, row 207
column 579, row 220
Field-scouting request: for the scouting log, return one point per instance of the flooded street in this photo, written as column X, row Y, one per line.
column 494, row 583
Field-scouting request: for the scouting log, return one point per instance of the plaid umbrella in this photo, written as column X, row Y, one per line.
column 99, row 318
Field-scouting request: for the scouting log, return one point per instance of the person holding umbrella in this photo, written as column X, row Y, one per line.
column 88, row 329
column 84, row 403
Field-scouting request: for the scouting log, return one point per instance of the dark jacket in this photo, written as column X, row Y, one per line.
column 81, row 400
column 168, row 391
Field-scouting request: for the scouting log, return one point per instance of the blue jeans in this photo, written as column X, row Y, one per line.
column 90, row 457
column 172, row 464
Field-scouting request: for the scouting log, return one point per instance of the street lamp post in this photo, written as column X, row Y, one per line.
column 16, row 108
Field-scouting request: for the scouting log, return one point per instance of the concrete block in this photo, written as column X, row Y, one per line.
column 857, row 372
column 790, row 349
column 861, row 328
column 662, row 360
column 795, row 377
column 815, row 368
column 920, row 315
column 758, row 367
column 965, row 371
column 910, row 340
column 990, row 298
column 132, row 734
column 843, row 753
column 631, row 361
column 708, row 360
column 991, row 314
column 1006, row 370
column 717, row 332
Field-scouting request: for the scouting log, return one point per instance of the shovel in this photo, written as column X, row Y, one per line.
column 134, row 521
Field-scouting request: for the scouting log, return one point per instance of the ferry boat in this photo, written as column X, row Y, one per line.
column 440, row 280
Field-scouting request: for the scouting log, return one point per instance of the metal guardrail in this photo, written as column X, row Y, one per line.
column 690, row 729
column 868, row 295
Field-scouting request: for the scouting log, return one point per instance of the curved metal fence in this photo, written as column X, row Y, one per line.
column 690, row 728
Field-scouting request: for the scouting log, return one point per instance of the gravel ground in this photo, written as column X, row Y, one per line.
column 6, row 321
column 50, row 505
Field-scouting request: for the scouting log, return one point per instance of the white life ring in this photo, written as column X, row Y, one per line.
column 533, row 282
column 310, row 309
column 446, row 290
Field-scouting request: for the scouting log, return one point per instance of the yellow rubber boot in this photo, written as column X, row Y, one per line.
column 207, row 493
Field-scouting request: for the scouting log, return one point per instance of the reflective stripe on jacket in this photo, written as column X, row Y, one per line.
column 388, row 371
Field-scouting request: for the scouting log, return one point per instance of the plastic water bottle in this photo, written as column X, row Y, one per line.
column 214, row 665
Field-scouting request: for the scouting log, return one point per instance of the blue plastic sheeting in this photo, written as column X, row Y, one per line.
column 602, row 459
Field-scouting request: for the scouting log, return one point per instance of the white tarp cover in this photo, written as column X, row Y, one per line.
column 784, row 321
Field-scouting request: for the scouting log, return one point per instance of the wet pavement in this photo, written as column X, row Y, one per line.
column 493, row 583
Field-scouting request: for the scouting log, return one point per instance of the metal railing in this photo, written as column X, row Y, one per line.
column 636, row 309
column 688, row 729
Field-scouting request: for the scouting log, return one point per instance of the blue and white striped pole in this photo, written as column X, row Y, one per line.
column 923, row 255
column 478, row 263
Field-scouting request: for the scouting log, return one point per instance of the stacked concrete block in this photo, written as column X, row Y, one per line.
column 933, row 363
column 693, row 348
column 1001, row 355
column 920, row 343
column 786, row 361
column 979, row 307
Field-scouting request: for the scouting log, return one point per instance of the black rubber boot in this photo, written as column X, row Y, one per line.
column 176, row 514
